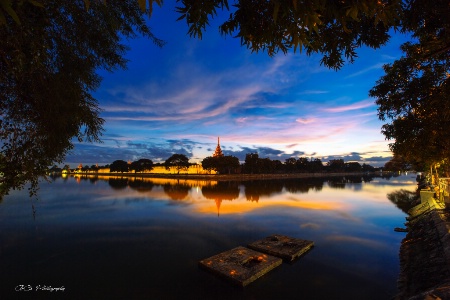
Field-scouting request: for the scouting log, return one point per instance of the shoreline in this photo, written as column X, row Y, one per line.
column 425, row 252
column 229, row 177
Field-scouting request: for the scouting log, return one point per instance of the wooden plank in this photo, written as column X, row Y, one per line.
column 240, row 265
column 287, row 248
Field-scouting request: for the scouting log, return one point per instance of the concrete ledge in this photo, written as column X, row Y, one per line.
column 426, row 195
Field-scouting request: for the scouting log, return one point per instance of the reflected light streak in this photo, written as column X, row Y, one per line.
column 356, row 240
column 240, row 207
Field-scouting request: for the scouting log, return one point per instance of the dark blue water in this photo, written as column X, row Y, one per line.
column 112, row 238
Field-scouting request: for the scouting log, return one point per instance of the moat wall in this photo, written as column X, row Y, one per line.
column 425, row 254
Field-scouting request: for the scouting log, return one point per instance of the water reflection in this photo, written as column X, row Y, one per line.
column 177, row 191
column 222, row 190
column 114, row 183
column 255, row 189
column 247, row 194
column 91, row 230
column 404, row 199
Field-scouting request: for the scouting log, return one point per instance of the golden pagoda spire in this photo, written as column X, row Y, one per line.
column 218, row 152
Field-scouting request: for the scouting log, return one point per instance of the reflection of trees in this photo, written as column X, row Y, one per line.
column 353, row 179
column 340, row 181
column 255, row 189
column 404, row 199
column 303, row 185
column 118, row 183
column 389, row 175
column 367, row 178
column 223, row 190
column 336, row 182
column 84, row 177
column 177, row 191
column 141, row 185
column 54, row 176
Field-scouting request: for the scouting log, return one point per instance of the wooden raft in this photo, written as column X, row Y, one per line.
column 282, row 246
column 240, row 265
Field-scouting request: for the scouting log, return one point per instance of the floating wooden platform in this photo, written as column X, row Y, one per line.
column 282, row 246
column 240, row 265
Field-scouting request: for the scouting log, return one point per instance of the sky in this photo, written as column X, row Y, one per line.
column 181, row 97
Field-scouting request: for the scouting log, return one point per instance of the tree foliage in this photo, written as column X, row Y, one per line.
column 353, row 167
column 178, row 161
column 222, row 164
column 333, row 28
column 49, row 57
column 336, row 165
column 414, row 94
column 141, row 165
column 119, row 166
column 397, row 164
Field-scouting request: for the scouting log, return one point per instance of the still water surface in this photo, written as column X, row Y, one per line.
column 113, row 238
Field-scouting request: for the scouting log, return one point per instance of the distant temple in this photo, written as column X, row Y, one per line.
column 218, row 152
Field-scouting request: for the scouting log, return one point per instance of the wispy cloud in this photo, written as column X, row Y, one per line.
column 305, row 120
column 313, row 92
column 354, row 106
column 365, row 70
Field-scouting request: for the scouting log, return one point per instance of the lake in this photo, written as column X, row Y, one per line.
column 112, row 237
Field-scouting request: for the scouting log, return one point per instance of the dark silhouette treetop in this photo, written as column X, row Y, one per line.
column 414, row 94
column 141, row 165
column 333, row 28
column 177, row 161
column 49, row 57
column 119, row 166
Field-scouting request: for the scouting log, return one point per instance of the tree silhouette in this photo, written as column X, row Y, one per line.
column 51, row 52
column 141, row 165
column 177, row 161
column 119, row 166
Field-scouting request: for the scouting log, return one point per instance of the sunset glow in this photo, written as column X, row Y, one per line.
column 180, row 98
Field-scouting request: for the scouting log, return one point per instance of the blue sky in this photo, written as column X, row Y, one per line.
column 181, row 97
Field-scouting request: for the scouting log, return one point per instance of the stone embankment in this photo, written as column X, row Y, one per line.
column 425, row 253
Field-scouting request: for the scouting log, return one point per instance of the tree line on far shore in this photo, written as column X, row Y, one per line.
column 253, row 164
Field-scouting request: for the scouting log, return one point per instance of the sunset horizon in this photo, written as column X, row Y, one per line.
column 181, row 97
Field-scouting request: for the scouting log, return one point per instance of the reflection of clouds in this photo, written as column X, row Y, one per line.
column 237, row 207
column 310, row 226
column 347, row 216
column 356, row 240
